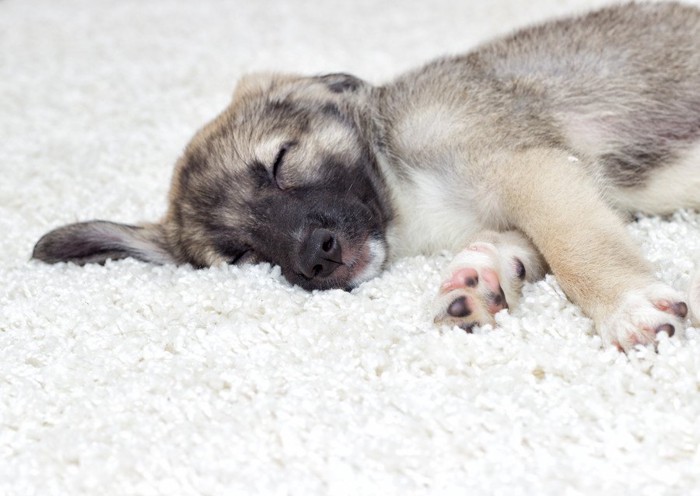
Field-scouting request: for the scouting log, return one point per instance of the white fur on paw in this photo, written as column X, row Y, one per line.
column 480, row 281
column 694, row 296
column 642, row 314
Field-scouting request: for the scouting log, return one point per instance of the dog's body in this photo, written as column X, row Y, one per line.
column 526, row 150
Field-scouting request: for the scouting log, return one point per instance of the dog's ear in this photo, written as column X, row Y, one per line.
column 99, row 240
column 342, row 83
column 259, row 83
column 252, row 84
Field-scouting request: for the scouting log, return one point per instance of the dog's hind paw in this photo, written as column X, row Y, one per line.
column 484, row 279
column 643, row 314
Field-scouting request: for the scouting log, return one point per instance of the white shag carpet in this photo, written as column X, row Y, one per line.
column 132, row 379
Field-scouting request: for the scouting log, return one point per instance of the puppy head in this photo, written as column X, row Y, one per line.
column 286, row 174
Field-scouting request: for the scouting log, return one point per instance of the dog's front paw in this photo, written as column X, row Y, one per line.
column 642, row 314
column 481, row 281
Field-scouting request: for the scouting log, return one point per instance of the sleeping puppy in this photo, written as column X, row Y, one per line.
column 526, row 153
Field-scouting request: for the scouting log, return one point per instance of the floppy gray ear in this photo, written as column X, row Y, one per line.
column 99, row 240
column 340, row 82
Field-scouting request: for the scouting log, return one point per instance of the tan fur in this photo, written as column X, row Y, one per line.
column 582, row 239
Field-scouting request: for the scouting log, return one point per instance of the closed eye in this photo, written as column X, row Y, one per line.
column 278, row 160
column 241, row 257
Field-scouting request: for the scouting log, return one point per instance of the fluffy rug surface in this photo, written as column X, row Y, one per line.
column 134, row 379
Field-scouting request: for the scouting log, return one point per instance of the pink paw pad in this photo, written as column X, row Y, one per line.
column 467, row 277
column 496, row 299
column 677, row 308
column 491, row 280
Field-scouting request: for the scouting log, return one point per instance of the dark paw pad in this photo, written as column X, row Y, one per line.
column 520, row 269
column 459, row 307
column 667, row 328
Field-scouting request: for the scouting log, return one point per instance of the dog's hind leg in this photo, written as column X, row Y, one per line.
column 487, row 277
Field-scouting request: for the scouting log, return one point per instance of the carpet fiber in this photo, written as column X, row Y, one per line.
column 133, row 379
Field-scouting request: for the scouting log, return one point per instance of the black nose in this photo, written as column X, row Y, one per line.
column 320, row 254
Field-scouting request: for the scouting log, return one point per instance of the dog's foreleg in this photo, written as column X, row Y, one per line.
column 552, row 199
column 486, row 277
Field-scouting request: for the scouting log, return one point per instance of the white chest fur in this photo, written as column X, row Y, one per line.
column 433, row 213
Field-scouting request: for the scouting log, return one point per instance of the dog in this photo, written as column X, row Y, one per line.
column 527, row 154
